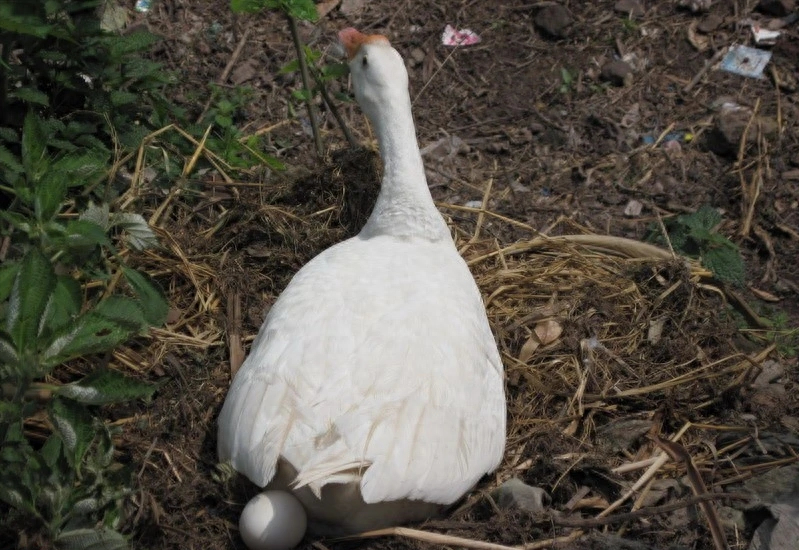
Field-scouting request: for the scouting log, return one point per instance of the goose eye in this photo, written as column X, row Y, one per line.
column 365, row 61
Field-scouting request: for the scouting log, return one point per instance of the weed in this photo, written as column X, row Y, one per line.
column 305, row 62
column 567, row 79
column 227, row 140
column 70, row 94
column 696, row 235
column 70, row 482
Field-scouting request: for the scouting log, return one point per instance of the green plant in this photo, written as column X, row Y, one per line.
column 305, row 62
column 696, row 235
column 57, row 452
column 778, row 330
column 227, row 140
column 567, row 79
column 57, row 59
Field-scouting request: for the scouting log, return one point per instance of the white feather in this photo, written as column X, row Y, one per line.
column 407, row 378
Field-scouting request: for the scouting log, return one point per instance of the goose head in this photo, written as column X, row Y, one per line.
column 379, row 77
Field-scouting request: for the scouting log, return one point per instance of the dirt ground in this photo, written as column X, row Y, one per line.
column 524, row 126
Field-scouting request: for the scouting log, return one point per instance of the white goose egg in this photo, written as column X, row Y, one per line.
column 272, row 520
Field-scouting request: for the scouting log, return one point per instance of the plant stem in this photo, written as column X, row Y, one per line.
column 332, row 106
column 309, row 104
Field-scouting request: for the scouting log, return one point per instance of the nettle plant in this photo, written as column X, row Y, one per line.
column 58, row 303
column 59, row 58
column 697, row 235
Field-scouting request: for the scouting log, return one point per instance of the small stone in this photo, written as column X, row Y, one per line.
column 732, row 518
column 777, row 8
column 731, row 123
column 417, row 55
column 774, row 485
column 710, row 23
column 244, row 72
column 618, row 72
column 515, row 493
column 631, row 8
column 633, row 208
column 554, row 21
column 770, row 371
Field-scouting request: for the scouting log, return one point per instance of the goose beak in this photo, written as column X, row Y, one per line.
column 352, row 40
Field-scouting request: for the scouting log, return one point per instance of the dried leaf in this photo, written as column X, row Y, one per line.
column 528, row 349
column 698, row 41
column 548, row 331
column 763, row 295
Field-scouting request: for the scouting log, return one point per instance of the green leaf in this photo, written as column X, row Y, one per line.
column 302, row 95
column 9, row 161
column 66, row 303
column 9, row 134
column 152, row 299
column 120, row 97
column 290, row 67
column 724, row 260
column 73, row 423
column 251, row 6
column 138, row 41
column 97, row 214
column 30, row 295
column 101, row 538
column 51, row 450
column 223, row 120
column 83, row 234
column 335, row 70
column 14, row 498
column 34, row 147
column 8, row 272
column 8, row 353
column 32, row 95
column 78, row 169
column 301, row 9
column 111, row 322
column 107, row 386
column 138, row 233
column 311, row 54
column 703, row 220
column 49, row 194
column 21, row 24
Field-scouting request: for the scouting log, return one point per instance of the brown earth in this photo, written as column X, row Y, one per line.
column 545, row 145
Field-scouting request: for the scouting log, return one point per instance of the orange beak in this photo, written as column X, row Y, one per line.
column 352, row 40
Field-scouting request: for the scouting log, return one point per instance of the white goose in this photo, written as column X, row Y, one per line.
column 374, row 390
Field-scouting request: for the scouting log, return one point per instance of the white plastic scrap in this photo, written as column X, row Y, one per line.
column 746, row 61
column 459, row 37
column 765, row 37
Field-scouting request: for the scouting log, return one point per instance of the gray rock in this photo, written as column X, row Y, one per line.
column 618, row 72
column 780, row 529
column 554, row 21
column 775, row 485
column 731, row 123
column 515, row 493
column 630, row 8
column 710, row 23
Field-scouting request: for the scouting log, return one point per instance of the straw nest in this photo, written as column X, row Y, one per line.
column 622, row 369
